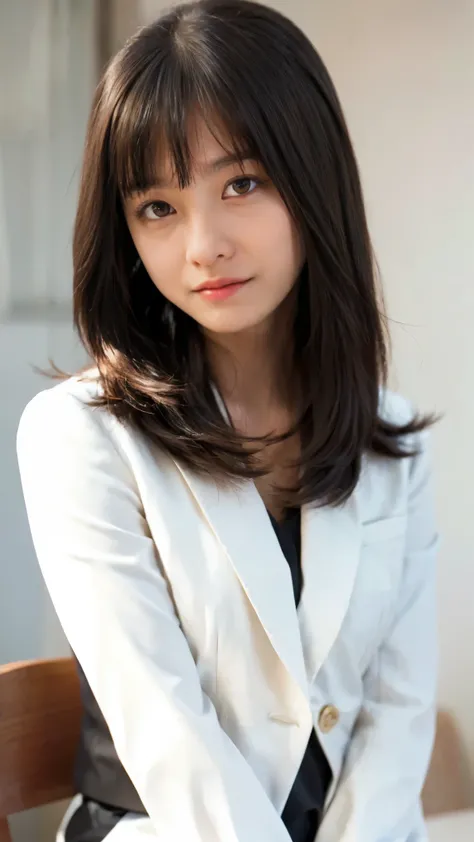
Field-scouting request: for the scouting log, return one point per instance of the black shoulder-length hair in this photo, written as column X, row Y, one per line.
column 247, row 69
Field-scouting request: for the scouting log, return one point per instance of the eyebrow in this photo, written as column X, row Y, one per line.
column 214, row 166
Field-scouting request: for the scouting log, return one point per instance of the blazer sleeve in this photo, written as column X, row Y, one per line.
column 378, row 797
column 100, row 567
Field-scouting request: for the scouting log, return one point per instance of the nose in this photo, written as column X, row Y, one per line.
column 206, row 239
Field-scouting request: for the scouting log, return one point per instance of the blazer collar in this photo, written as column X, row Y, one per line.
column 330, row 552
column 239, row 520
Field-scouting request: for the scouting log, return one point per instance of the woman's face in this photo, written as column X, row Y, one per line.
column 225, row 249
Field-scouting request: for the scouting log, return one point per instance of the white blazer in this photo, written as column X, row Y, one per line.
column 178, row 602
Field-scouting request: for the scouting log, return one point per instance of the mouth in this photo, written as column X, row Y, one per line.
column 221, row 288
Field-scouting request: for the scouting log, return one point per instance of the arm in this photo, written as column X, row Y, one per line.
column 101, row 570
column 378, row 797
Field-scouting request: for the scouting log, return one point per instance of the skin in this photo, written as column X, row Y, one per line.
column 230, row 222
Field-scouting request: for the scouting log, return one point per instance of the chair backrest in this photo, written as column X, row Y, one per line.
column 445, row 789
column 40, row 716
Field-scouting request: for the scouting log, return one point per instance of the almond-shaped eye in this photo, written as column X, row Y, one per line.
column 242, row 186
column 156, row 210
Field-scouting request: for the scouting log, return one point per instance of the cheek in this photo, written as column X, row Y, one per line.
column 161, row 263
column 282, row 241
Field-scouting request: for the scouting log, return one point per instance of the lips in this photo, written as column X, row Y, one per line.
column 220, row 283
column 221, row 289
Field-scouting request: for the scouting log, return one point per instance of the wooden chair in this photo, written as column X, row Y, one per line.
column 445, row 789
column 40, row 713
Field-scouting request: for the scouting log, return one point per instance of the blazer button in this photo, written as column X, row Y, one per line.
column 328, row 718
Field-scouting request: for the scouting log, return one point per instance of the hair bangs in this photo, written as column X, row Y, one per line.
column 151, row 127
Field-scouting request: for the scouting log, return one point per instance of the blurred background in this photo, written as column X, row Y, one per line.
column 404, row 70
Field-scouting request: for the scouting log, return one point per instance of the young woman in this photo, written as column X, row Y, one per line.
column 232, row 513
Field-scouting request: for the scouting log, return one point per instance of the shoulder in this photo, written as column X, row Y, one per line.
column 80, row 388
column 69, row 447
column 386, row 484
column 63, row 414
column 395, row 408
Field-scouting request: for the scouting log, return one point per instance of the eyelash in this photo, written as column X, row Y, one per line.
column 141, row 209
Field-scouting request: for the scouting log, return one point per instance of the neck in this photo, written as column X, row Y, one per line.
column 253, row 369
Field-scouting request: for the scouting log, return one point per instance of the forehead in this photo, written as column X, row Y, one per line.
column 206, row 142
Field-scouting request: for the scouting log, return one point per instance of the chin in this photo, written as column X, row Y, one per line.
column 231, row 323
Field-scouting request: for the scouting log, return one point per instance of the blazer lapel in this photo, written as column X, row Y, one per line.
column 330, row 549
column 239, row 520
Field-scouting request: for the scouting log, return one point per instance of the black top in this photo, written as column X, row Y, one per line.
column 108, row 791
column 303, row 809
